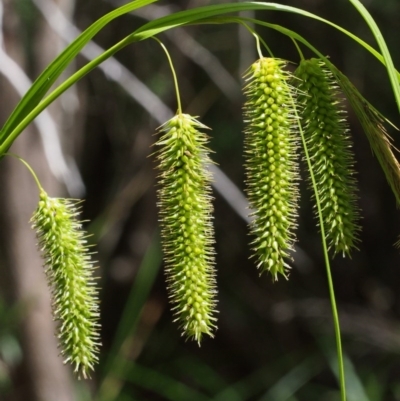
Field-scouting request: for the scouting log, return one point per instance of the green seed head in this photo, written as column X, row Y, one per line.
column 329, row 146
column 270, row 160
column 185, row 211
column 69, row 271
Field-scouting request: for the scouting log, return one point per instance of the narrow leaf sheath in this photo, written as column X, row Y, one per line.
column 270, row 162
column 69, row 271
column 185, row 212
column 329, row 146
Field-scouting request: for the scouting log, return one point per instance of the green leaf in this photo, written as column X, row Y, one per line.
column 116, row 359
column 202, row 13
column 194, row 15
column 393, row 74
column 158, row 383
column 53, row 71
column 32, row 105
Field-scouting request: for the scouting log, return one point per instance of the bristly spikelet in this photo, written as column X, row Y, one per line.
column 329, row 147
column 270, row 161
column 69, row 271
column 185, row 211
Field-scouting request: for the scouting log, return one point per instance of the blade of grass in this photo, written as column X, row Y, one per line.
column 201, row 14
column 7, row 140
column 203, row 375
column 296, row 378
column 152, row 28
column 139, row 293
column 166, row 387
column 130, row 317
column 47, row 78
column 394, row 78
column 355, row 388
column 264, row 378
column 126, row 397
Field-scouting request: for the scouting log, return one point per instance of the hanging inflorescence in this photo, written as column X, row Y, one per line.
column 271, row 139
column 69, row 270
column 280, row 110
column 186, row 224
column 326, row 133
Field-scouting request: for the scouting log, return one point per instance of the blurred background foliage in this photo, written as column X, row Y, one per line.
column 275, row 340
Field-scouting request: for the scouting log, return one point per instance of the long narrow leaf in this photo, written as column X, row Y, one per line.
column 26, row 110
column 140, row 291
column 165, row 386
column 143, row 283
column 23, row 122
column 53, row 71
column 199, row 14
column 292, row 381
column 394, row 79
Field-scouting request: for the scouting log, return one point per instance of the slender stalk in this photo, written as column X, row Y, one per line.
column 335, row 314
column 298, row 49
column 178, row 98
column 258, row 39
column 258, row 45
column 28, row 167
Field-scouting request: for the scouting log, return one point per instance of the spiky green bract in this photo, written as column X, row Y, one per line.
column 329, row 147
column 270, row 160
column 69, row 271
column 186, row 224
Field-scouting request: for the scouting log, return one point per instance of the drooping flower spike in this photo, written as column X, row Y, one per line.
column 185, row 211
column 271, row 141
column 329, row 147
column 69, row 270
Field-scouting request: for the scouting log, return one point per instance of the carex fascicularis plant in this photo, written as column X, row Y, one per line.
column 271, row 142
column 271, row 136
column 329, row 146
column 69, row 271
column 185, row 211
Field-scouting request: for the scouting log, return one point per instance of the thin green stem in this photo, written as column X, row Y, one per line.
column 259, row 39
column 298, row 49
column 267, row 47
column 28, row 167
column 335, row 313
column 178, row 98
column 287, row 32
column 258, row 45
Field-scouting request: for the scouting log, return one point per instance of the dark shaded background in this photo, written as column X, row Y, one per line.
column 275, row 340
